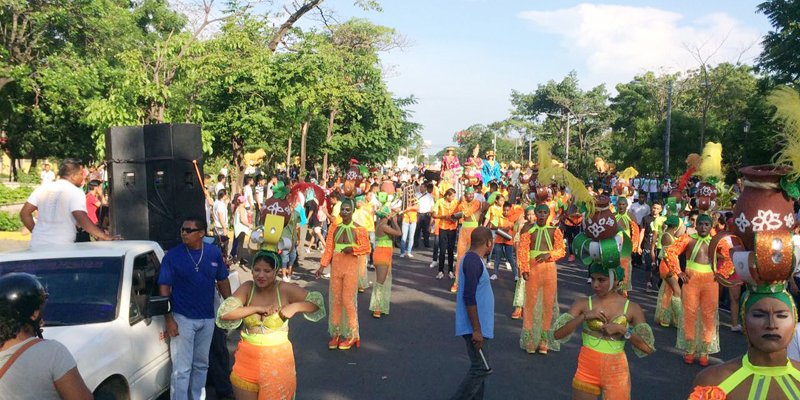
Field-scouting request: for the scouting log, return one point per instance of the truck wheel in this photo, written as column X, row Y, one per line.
column 111, row 390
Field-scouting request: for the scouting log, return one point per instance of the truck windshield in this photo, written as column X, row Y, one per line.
column 79, row 290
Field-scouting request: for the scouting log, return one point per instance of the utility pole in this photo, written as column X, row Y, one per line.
column 667, row 131
column 530, row 149
column 566, row 146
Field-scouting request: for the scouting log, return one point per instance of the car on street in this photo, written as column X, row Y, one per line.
column 104, row 306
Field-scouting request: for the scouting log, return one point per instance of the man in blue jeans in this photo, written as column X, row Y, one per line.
column 475, row 314
column 189, row 272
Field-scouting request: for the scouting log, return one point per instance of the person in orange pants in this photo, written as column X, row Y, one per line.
column 700, row 292
column 469, row 208
column 346, row 243
column 627, row 224
column 540, row 246
column 668, row 306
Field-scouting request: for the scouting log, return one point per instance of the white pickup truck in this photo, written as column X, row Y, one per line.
column 103, row 304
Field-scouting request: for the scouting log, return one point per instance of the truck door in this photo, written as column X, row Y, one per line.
column 148, row 335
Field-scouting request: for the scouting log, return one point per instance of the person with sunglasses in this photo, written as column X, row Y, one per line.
column 189, row 273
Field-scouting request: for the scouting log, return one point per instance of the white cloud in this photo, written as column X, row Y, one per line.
column 616, row 42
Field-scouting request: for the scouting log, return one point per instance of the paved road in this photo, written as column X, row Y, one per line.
column 413, row 353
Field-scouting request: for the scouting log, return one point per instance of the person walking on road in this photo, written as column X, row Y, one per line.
column 189, row 272
column 475, row 314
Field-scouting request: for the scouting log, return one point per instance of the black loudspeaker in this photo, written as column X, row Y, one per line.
column 128, row 209
column 172, row 188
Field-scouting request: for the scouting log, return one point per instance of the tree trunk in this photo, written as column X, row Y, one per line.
column 290, row 21
column 303, row 137
column 328, row 138
column 12, row 176
column 237, row 143
column 289, row 156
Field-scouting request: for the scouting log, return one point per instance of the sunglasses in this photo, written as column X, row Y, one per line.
column 190, row 230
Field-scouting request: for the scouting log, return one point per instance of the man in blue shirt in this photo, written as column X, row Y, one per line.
column 189, row 272
column 475, row 313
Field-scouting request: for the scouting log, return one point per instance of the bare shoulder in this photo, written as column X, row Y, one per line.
column 292, row 291
column 715, row 375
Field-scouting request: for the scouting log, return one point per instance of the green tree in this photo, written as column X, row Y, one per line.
column 780, row 46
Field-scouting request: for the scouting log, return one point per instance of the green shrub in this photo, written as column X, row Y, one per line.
column 14, row 196
column 29, row 178
column 9, row 222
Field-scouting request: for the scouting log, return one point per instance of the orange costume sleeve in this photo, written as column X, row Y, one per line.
column 724, row 264
column 635, row 232
column 330, row 245
column 674, row 251
column 523, row 260
column 559, row 251
column 362, row 242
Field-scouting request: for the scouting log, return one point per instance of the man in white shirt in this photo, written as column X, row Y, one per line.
column 221, row 218
column 249, row 197
column 47, row 176
column 640, row 208
column 61, row 206
column 652, row 188
column 220, row 184
column 425, row 203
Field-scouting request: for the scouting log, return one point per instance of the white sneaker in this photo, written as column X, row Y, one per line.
column 434, row 264
column 402, row 255
column 493, row 277
column 326, row 276
column 516, row 278
column 490, row 265
column 452, row 275
column 736, row 328
column 409, row 255
column 440, row 275
column 287, row 279
column 508, row 266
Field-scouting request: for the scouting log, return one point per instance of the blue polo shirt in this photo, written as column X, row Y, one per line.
column 474, row 289
column 193, row 287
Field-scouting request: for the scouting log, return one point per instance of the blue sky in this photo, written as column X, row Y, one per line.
column 465, row 56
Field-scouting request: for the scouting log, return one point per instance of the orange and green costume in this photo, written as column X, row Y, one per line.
column 629, row 226
column 669, row 310
column 698, row 335
column 541, row 296
column 382, row 292
column 602, row 364
column 471, row 211
column 344, row 276
column 264, row 361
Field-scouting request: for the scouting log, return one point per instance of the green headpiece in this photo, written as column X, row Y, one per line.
column 673, row 221
column 383, row 212
column 469, row 189
column 777, row 291
column 530, row 208
column 542, row 206
column 280, row 191
column 704, row 217
column 383, row 197
column 271, row 255
column 360, row 198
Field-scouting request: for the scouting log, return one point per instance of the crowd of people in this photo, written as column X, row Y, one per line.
column 480, row 219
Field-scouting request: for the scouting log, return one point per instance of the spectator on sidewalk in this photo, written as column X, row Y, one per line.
column 47, row 175
column 188, row 276
column 61, row 207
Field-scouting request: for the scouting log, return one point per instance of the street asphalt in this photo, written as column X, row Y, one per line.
column 413, row 352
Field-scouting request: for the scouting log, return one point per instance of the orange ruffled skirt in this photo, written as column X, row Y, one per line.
column 268, row 370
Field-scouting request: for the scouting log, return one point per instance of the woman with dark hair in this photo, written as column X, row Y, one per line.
column 385, row 229
column 30, row 367
column 264, row 365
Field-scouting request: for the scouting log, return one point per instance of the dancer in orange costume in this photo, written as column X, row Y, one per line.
column 346, row 243
column 698, row 334
column 469, row 208
column 363, row 217
column 540, row 246
column 446, row 224
column 608, row 321
column 385, row 230
column 669, row 310
column 627, row 223
column 264, row 365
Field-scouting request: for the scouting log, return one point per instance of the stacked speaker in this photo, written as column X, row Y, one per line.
column 152, row 180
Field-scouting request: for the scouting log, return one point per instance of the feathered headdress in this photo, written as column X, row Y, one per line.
column 787, row 104
column 629, row 173
column 710, row 169
column 549, row 172
column 693, row 161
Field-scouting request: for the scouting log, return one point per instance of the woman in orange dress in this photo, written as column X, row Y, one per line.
column 346, row 243
column 385, row 230
column 264, row 365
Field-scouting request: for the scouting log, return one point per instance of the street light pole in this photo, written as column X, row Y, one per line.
column 566, row 147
